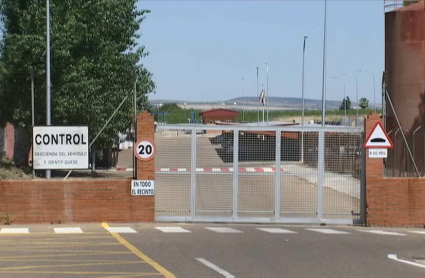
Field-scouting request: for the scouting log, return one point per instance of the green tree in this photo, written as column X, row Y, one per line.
column 346, row 104
column 169, row 107
column 95, row 60
column 363, row 103
column 408, row 2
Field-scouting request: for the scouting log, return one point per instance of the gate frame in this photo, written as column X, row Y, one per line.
column 277, row 217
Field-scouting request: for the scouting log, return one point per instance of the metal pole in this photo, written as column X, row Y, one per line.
column 267, row 93
column 324, row 69
column 243, row 103
column 383, row 100
column 374, row 89
column 48, row 119
column 302, row 84
column 402, row 133
column 344, row 102
column 413, row 143
column 32, row 97
column 357, row 95
column 101, row 130
column 32, row 112
column 303, row 103
column 258, row 103
column 134, row 126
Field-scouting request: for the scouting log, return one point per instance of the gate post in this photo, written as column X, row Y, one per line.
column 145, row 170
column 374, row 167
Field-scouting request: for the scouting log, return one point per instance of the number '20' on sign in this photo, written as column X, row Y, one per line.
column 145, row 149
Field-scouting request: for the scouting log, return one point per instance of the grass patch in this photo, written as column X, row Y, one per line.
column 8, row 171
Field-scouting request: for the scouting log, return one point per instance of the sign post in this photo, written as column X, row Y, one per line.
column 378, row 142
column 144, row 150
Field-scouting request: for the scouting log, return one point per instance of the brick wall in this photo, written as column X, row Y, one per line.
column 47, row 201
column 392, row 201
column 44, row 201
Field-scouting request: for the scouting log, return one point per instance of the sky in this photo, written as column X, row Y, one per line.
column 201, row 50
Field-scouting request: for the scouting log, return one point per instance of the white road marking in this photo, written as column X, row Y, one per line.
column 14, row 231
column 277, row 231
column 418, row 232
column 215, row 268
column 328, row 231
column 121, row 230
column 172, row 230
column 394, row 257
column 380, row 232
column 223, row 230
column 69, row 230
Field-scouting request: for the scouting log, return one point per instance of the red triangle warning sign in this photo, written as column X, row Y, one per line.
column 378, row 139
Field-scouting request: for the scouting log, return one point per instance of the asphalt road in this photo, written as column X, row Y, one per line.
column 203, row 251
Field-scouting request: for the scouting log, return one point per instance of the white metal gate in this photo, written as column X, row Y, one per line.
column 261, row 174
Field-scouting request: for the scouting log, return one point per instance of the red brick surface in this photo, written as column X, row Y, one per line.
column 392, row 201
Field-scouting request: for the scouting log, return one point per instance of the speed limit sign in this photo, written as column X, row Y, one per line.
column 145, row 149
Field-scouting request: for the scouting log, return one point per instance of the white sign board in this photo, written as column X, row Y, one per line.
column 142, row 188
column 378, row 153
column 60, row 147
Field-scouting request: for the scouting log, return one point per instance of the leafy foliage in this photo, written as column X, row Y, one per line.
column 95, row 60
column 346, row 104
column 363, row 103
column 168, row 107
column 408, row 2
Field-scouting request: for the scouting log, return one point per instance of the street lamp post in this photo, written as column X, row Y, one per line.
column 157, row 108
column 48, row 103
column 324, row 68
column 243, row 103
column 344, row 101
column 267, row 93
column 258, row 103
column 302, row 84
column 373, row 76
column 357, row 94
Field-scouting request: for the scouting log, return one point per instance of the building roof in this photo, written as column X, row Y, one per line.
column 219, row 112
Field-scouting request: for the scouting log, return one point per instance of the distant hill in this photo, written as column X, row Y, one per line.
column 282, row 102
column 288, row 102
